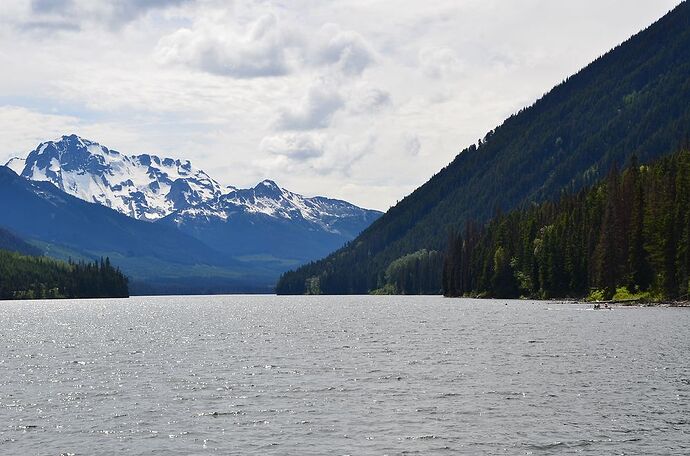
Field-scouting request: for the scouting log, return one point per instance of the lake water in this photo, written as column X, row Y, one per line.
column 268, row 375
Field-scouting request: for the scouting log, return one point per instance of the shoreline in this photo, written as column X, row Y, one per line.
column 611, row 304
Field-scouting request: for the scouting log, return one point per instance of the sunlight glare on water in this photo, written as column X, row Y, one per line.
column 257, row 375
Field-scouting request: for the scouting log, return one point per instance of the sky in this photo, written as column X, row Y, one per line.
column 362, row 100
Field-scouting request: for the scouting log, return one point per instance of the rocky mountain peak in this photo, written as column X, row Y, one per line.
column 141, row 186
column 150, row 188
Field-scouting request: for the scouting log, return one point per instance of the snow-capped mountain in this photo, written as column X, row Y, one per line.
column 269, row 200
column 142, row 186
column 151, row 188
column 184, row 231
column 159, row 258
column 273, row 223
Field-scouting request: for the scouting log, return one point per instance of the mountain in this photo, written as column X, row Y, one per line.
column 257, row 233
column 144, row 186
column 13, row 243
column 148, row 187
column 64, row 226
column 273, row 223
column 633, row 100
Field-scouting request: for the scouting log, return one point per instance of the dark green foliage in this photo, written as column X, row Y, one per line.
column 632, row 230
column 30, row 277
column 416, row 273
column 635, row 100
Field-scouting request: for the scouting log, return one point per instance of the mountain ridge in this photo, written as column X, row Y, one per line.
column 151, row 188
column 226, row 235
column 153, row 255
column 635, row 99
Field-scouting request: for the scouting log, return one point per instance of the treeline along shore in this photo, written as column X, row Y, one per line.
column 38, row 277
column 626, row 238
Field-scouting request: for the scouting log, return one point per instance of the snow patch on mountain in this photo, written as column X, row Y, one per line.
column 141, row 186
column 150, row 188
column 16, row 164
column 270, row 200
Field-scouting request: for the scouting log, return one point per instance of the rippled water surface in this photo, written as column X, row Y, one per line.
column 341, row 375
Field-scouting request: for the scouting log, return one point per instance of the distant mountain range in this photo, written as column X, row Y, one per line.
column 167, row 224
column 635, row 100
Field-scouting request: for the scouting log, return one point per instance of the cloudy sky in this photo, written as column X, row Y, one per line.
column 357, row 99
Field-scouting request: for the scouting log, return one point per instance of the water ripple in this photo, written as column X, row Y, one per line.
column 341, row 375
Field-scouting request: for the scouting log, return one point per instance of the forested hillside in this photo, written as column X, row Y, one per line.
column 635, row 100
column 29, row 277
column 629, row 234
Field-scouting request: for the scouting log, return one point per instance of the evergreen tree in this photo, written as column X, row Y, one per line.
column 631, row 231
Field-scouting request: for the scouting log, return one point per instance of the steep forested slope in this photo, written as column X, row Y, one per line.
column 633, row 100
column 629, row 234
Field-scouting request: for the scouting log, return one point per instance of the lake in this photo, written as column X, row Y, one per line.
column 360, row 375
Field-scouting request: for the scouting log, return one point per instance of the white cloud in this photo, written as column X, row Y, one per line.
column 314, row 152
column 52, row 16
column 217, row 48
column 347, row 50
column 439, row 62
column 112, row 12
column 219, row 44
column 413, row 145
column 24, row 129
column 369, row 100
column 29, row 128
column 315, row 111
column 295, row 147
column 354, row 99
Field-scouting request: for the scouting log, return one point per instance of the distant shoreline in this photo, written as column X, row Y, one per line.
column 611, row 304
